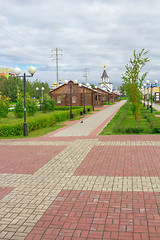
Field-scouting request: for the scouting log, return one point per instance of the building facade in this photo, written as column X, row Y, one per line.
column 79, row 94
column 105, row 83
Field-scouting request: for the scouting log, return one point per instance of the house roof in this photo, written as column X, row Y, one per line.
column 90, row 89
column 104, row 75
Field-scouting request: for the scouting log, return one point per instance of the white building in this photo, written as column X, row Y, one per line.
column 105, row 84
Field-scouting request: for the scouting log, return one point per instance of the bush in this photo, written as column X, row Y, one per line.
column 67, row 107
column 4, row 106
column 48, row 104
column 154, row 122
column 31, row 105
column 37, row 123
column 11, row 130
column 19, row 108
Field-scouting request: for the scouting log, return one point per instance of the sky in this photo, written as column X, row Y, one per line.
column 87, row 33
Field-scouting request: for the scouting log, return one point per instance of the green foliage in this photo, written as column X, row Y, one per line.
column 4, row 106
column 110, row 103
column 11, row 130
column 154, row 122
column 48, row 104
column 124, row 123
column 38, row 123
column 31, row 105
column 120, row 119
column 19, row 108
column 67, row 107
column 133, row 80
column 13, row 85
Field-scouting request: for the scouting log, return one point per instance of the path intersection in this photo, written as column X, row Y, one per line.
column 76, row 184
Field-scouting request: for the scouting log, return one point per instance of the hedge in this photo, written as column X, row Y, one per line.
column 154, row 122
column 37, row 123
column 67, row 107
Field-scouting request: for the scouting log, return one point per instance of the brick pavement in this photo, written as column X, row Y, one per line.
column 80, row 187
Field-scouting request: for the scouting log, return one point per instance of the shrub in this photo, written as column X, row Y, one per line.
column 67, row 107
column 19, row 108
column 31, row 105
column 48, row 104
column 154, row 122
column 4, row 106
column 37, row 123
column 12, row 130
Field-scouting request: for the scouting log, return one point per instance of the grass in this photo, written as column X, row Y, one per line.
column 37, row 133
column 11, row 119
column 128, row 122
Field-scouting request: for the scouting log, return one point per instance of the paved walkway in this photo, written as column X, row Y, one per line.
column 87, row 126
column 80, row 187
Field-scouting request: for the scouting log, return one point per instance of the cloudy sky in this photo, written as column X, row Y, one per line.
column 88, row 33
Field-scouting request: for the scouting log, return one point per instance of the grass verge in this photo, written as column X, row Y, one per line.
column 124, row 123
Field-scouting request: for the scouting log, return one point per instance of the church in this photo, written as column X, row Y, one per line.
column 105, row 84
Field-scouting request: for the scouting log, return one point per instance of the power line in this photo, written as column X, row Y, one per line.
column 56, row 54
column 85, row 73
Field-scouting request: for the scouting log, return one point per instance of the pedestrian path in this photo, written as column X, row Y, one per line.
column 87, row 126
column 81, row 187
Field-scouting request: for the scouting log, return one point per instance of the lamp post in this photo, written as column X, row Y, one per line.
column 37, row 88
column 147, row 82
column 93, row 99
column 71, row 114
column 42, row 92
column 17, row 71
column 152, row 86
column 108, row 97
column 144, row 86
column 84, row 110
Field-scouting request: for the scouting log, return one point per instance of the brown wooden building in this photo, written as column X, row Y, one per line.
column 108, row 96
column 80, row 95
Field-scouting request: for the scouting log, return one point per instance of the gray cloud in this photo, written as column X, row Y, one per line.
column 91, row 33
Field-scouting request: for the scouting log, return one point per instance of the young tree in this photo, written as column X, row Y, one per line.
column 133, row 80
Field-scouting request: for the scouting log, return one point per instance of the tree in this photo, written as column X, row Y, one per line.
column 122, row 89
column 48, row 104
column 13, row 85
column 133, row 80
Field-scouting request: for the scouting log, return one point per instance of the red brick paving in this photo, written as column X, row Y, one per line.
column 100, row 215
column 4, row 191
column 26, row 159
column 121, row 161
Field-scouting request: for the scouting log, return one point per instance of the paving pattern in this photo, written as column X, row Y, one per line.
column 80, row 187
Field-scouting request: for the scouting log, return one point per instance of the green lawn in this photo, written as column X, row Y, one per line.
column 127, row 122
column 11, row 119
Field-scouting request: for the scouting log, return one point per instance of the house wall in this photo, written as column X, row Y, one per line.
column 62, row 96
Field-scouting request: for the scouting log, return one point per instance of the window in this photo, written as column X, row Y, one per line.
column 58, row 100
column 74, row 99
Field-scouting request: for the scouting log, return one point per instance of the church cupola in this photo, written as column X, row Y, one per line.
column 105, row 78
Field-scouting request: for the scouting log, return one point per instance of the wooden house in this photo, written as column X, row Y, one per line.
column 79, row 94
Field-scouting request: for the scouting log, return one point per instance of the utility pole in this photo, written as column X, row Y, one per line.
column 56, row 54
column 85, row 73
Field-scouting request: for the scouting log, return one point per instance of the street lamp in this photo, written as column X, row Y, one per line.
column 37, row 88
column 71, row 114
column 144, row 86
column 93, row 99
column 17, row 71
column 147, row 93
column 84, row 110
column 42, row 92
column 152, row 86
